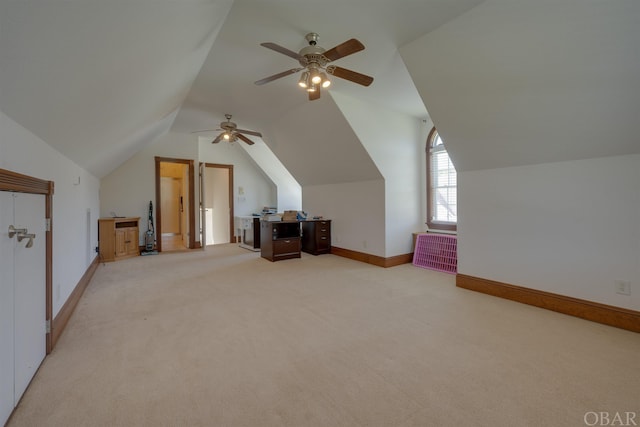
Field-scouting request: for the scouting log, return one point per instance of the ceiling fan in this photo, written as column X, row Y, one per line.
column 231, row 132
column 313, row 60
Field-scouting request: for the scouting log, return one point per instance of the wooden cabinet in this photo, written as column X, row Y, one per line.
column 118, row 238
column 279, row 240
column 316, row 236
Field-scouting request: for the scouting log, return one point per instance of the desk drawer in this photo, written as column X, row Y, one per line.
column 286, row 246
column 323, row 242
column 323, row 232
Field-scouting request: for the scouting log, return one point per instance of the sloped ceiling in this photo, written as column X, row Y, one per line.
column 317, row 154
column 98, row 80
column 506, row 83
column 225, row 83
column 517, row 83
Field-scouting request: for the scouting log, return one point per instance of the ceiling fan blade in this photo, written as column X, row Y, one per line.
column 277, row 76
column 218, row 138
column 344, row 49
column 343, row 73
column 315, row 94
column 204, row 130
column 245, row 139
column 249, row 132
column 282, row 50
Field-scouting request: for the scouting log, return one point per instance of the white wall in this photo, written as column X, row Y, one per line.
column 74, row 240
column 570, row 228
column 259, row 190
column 395, row 143
column 288, row 191
column 317, row 151
column 128, row 190
column 357, row 212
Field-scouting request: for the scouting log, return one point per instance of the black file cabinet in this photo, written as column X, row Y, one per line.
column 316, row 236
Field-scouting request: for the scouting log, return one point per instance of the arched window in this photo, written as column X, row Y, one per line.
column 442, row 200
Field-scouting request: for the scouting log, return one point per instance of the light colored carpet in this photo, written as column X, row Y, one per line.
column 223, row 337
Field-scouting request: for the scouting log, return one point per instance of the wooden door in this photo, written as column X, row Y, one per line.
column 132, row 241
column 121, row 239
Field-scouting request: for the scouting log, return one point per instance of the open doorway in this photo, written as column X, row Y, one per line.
column 218, row 204
column 175, row 212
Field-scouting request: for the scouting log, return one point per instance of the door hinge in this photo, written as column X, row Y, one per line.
column 47, row 326
column 47, row 224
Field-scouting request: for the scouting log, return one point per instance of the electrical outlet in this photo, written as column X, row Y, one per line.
column 623, row 287
column 97, row 249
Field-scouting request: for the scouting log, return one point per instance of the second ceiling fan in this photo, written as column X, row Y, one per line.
column 313, row 60
column 231, row 132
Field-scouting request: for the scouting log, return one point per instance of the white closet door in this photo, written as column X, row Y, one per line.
column 6, row 308
column 22, row 296
column 30, row 292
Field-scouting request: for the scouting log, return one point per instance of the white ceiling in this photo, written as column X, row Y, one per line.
column 507, row 82
column 98, row 80
column 520, row 83
column 225, row 82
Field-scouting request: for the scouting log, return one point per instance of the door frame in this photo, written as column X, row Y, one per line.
column 16, row 182
column 232, row 209
column 191, row 195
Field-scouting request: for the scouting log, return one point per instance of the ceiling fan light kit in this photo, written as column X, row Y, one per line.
column 304, row 79
column 325, row 81
column 313, row 60
column 231, row 132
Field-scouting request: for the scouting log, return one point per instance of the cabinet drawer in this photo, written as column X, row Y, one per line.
column 323, row 242
column 286, row 246
column 323, row 231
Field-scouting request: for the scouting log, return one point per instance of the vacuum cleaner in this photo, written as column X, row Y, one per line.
column 150, row 235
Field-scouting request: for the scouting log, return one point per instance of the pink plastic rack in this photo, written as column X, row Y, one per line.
column 436, row 252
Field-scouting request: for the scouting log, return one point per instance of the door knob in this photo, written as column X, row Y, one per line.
column 24, row 236
column 13, row 231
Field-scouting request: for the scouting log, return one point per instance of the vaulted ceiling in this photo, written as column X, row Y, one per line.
column 504, row 81
column 98, row 80
column 520, row 83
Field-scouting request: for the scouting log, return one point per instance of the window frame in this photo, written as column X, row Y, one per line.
column 432, row 224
